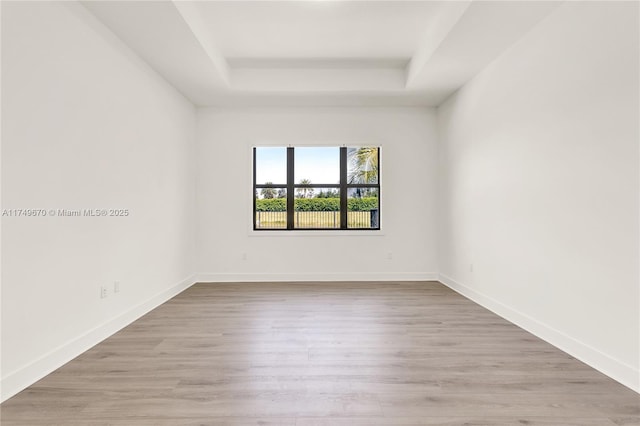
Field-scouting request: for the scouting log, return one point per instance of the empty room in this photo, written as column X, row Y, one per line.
column 320, row 213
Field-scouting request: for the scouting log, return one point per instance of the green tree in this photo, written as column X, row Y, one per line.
column 268, row 193
column 332, row 193
column 305, row 192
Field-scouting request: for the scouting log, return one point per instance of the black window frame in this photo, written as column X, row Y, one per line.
column 291, row 187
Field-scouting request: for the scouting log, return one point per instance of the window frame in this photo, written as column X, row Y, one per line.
column 343, row 186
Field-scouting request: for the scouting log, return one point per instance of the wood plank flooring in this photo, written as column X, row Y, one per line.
column 320, row 354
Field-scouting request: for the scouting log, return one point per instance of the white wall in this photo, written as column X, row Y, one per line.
column 539, row 185
column 86, row 124
column 408, row 160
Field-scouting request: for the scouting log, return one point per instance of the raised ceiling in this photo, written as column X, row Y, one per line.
column 318, row 29
column 319, row 52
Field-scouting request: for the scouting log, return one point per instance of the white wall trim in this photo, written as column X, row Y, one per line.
column 316, row 276
column 24, row 377
column 616, row 369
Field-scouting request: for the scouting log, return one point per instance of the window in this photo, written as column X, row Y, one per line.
column 316, row 188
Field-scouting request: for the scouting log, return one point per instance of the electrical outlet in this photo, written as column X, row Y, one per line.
column 244, row 256
column 471, row 267
column 116, row 286
column 389, row 255
column 103, row 292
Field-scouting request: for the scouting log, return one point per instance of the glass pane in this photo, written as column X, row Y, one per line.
column 317, row 208
column 271, row 208
column 317, row 165
column 362, row 165
column 271, row 165
column 363, row 208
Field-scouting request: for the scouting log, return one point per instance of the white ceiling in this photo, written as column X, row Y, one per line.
column 317, row 29
column 319, row 52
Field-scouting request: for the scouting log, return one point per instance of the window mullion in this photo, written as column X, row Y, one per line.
column 343, row 187
column 290, row 187
column 255, row 190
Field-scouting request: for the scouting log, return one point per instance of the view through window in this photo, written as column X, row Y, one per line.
column 316, row 188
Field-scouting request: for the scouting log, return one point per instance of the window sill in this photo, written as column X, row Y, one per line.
column 328, row 233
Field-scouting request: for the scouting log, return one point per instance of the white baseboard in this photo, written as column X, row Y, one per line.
column 316, row 276
column 617, row 370
column 36, row 370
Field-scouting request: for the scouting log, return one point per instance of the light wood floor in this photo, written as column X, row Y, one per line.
column 323, row 354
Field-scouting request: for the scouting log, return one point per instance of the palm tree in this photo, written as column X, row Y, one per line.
column 364, row 165
column 268, row 192
column 304, row 192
